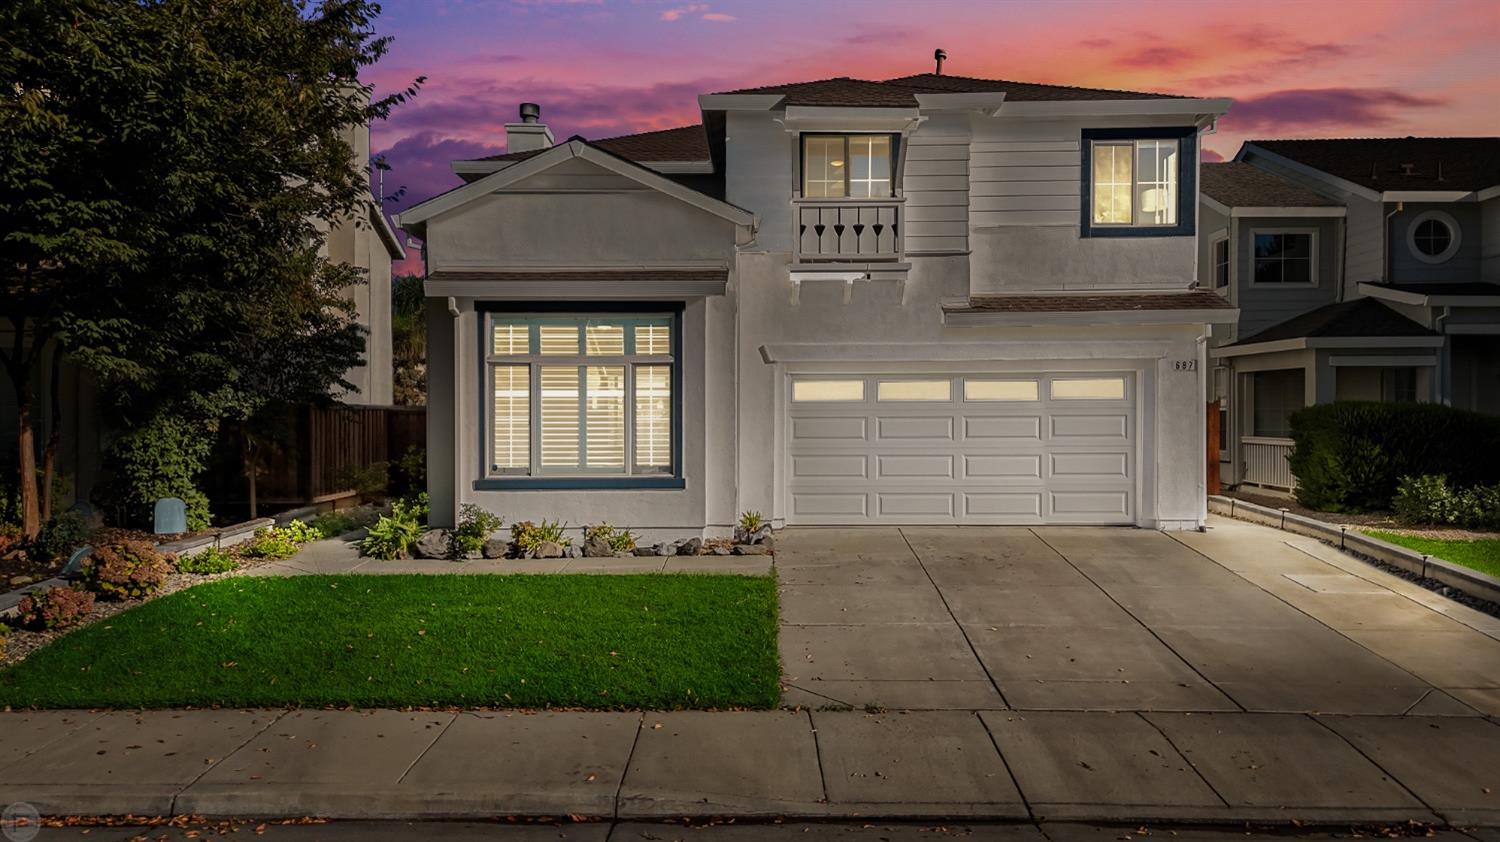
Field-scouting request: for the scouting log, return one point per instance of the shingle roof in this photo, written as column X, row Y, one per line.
column 684, row 143
column 1241, row 185
column 901, row 92
column 1436, row 163
column 1189, row 300
column 1019, row 91
column 1363, row 317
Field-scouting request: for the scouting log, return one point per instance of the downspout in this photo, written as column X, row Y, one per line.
column 1443, row 386
column 1202, row 358
column 1385, row 236
column 458, row 380
column 1341, row 255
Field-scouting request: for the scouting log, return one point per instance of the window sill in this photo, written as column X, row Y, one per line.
column 577, row 483
column 1096, row 231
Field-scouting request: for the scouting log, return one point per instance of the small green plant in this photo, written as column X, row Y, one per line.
column 751, row 521
column 63, row 534
column 475, row 525
column 415, row 509
column 334, row 524
column 366, row 480
column 4, row 635
column 124, row 570
column 393, row 535
column 1429, row 499
column 301, row 532
column 619, row 540
column 210, row 561
column 528, row 536
column 54, row 608
column 270, row 543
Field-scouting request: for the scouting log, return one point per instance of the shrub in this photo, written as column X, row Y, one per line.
column 1349, row 456
column 54, row 608
column 528, row 536
column 10, row 537
column 619, row 540
column 162, row 458
column 124, row 570
column 270, row 543
column 475, row 525
column 751, row 521
column 393, row 535
column 4, row 634
column 1429, row 499
column 334, row 524
column 63, row 534
column 210, row 561
column 367, row 480
column 409, row 473
column 301, row 532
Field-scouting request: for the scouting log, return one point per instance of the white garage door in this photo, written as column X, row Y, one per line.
column 996, row 449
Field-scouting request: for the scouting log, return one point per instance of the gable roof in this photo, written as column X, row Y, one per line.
column 1239, row 185
column 684, row 143
column 1380, row 164
column 1361, row 318
column 902, row 92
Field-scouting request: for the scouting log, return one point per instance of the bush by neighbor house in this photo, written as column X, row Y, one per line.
column 1350, row 456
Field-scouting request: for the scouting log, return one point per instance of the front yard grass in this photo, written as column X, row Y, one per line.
column 647, row 641
column 1482, row 554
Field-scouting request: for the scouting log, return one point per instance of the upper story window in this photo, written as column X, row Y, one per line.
column 1285, row 257
column 1433, row 237
column 1221, row 262
column 838, row 166
column 1139, row 182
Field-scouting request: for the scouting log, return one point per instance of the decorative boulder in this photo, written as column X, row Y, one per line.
column 549, row 549
column 751, row 549
column 667, row 549
column 640, row 551
column 434, row 543
column 691, row 546
column 573, row 552
column 496, row 548
column 745, row 536
column 722, row 550
column 597, row 548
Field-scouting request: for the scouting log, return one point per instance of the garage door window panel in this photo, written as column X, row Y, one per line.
column 914, row 390
column 1000, row 390
column 581, row 397
column 828, row 391
column 1090, row 389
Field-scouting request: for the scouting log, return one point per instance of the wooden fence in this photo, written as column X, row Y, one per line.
column 327, row 445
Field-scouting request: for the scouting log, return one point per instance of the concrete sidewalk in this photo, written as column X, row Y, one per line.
column 949, row 765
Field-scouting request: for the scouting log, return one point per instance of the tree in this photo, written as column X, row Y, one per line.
column 409, row 340
column 166, row 170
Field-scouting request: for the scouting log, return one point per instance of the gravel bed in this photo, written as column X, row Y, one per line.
column 1383, row 521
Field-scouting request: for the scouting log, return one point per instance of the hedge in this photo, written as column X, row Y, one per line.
column 1350, row 456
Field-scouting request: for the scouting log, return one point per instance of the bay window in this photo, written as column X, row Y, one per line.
column 837, row 166
column 586, row 397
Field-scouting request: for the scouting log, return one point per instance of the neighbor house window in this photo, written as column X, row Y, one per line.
column 1221, row 263
column 581, row 395
column 1433, row 237
column 1135, row 182
column 847, row 166
column 1275, row 396
column 1285, row 257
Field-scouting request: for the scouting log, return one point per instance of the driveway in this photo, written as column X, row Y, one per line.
column 1238, row 618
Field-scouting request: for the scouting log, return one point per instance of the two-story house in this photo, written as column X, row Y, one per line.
column 927, row 300
column 1362, row 269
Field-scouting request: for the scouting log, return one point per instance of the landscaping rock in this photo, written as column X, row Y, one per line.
column 751, row 549
column 745, row 536
column 691, row 546
column 434, row 543
column 625, row 554
column 496, row 548
column 21, row 581
column 597, row 548
column 769, row 542
column 549, row 549
column 573, row 552
column 640, row 551
column 722, row 550
column 667, row 549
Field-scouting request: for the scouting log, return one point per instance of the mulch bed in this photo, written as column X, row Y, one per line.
column 1384, row 521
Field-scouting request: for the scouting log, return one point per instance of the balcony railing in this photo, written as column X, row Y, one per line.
column 1266, row 462
column 847, row 230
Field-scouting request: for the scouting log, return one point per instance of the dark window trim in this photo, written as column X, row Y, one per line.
column 674, row 309
column 802, row 162
column 1187, row 182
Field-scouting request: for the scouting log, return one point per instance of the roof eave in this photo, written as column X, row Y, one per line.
column 1421, row 299
column 955, row 317
column 1313, row 342
column 1185, row 107
column 739, row 102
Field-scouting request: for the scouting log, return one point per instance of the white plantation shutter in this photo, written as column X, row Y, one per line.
column 512, row 445
column 605, row 391
column 653, row 416
column 653, row 340
column 559, row 408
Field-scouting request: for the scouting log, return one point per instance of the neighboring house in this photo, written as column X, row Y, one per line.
column 928, row 300
column 1362, row 269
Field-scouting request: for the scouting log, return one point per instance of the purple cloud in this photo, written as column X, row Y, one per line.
column 1158, row 58
column 1209, row 156
column 1288, row 111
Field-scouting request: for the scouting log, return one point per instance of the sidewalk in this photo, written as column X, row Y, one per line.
column 998, row 765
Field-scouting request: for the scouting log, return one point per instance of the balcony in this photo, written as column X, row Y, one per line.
column 847, row 230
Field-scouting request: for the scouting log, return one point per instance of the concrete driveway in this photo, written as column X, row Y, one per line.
column 1239, row 618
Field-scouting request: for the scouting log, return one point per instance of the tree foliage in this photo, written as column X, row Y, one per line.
column 409, row 340
column 168, row 169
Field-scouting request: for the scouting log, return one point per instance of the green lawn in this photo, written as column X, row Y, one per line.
column 1482, row 555
column 649, row 641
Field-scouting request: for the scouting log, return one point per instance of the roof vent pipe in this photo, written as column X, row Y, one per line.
column 530, row 112
column 939, row 55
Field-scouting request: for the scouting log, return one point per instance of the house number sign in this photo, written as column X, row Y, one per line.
column 1184, row 365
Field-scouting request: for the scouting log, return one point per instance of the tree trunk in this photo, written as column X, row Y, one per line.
column 54, row 438
column 247, row 454
column 31, row 523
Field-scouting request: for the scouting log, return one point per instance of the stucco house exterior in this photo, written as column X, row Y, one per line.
column 927, row 300
column 1362, row 269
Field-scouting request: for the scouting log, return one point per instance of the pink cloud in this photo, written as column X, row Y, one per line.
column 1160, row 58
column 679, row 12
column 719, row 17
column 1209, row 156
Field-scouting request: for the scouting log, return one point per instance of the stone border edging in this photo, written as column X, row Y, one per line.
column 1470, row 582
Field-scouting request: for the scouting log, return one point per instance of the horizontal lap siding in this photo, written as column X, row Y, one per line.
column 1025, row 182
column 936, row 186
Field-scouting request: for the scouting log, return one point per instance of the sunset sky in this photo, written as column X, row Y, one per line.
column 1336, row 68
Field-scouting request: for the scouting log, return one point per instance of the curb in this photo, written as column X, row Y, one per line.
column 1472, row 583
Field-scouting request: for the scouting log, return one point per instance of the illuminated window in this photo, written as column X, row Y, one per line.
column 1135, row 182
column 840, row 166
column 581, row 395
column 1101, row 388
column 805, row 391
column 914, row 390
column 1000, row 390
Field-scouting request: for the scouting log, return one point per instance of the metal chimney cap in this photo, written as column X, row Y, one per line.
column 939, row 55
column 530, row 112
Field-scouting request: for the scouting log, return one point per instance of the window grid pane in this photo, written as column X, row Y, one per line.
column 511, row 338
column 559, row 416
column 653, row 340
column 1156, row 174
column 604, row 339
column 870, row 174
column 823, row 167
column 1112, row 184
column 653, row 417
column 512, row 431
column 559, row 339
column 604, row 397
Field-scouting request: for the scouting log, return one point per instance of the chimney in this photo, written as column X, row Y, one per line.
column 529, row 134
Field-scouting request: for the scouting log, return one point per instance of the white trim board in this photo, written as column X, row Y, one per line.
column 1381, row 361
column 1420, row 299
column 1217, row 315
column 1305, row 342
